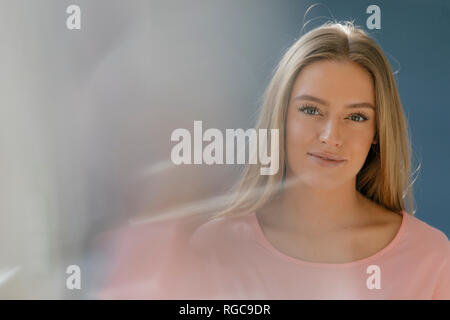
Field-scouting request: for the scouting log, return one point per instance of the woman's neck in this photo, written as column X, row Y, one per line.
column 303, row 209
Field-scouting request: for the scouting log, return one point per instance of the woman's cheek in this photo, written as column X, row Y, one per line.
column 297, row 136
column 299, row 130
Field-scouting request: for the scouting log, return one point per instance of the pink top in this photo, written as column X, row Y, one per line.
column 230, row 258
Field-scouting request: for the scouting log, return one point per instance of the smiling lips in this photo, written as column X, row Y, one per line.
column 326, row 159
column 326, row 156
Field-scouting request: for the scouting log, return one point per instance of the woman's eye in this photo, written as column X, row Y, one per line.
column 358, row 117
column 309, row 110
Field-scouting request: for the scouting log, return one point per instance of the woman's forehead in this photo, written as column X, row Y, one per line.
column 335, row 80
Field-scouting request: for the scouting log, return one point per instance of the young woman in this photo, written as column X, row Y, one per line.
column 336, row 221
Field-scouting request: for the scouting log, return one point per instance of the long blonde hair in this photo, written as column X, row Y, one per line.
column 385, row 176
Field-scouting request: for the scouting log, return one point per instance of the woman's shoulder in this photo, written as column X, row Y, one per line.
column 412, row 228
column 222, row 232
column 426, row 232
column 427, row 239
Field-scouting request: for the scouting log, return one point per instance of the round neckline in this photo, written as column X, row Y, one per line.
column 289, row 258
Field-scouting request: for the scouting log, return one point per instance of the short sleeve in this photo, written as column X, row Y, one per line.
column 442, row 290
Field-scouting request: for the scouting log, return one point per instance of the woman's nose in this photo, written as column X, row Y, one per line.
column 330, row 133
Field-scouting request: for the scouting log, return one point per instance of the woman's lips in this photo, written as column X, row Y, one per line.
column 325, row 163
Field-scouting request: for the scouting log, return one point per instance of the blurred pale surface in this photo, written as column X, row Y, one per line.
column 86, row 117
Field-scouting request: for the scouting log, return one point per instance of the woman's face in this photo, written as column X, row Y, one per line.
column 331, row 110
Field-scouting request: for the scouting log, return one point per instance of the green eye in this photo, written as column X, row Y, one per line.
column 309, row 110
column 360, row 116
column 313, row 111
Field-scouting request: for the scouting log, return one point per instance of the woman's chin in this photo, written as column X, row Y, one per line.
column 319, row 182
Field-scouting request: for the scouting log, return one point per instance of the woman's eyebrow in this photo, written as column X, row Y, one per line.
column 326, row 103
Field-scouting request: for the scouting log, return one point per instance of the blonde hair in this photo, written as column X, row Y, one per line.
column 385, row 176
